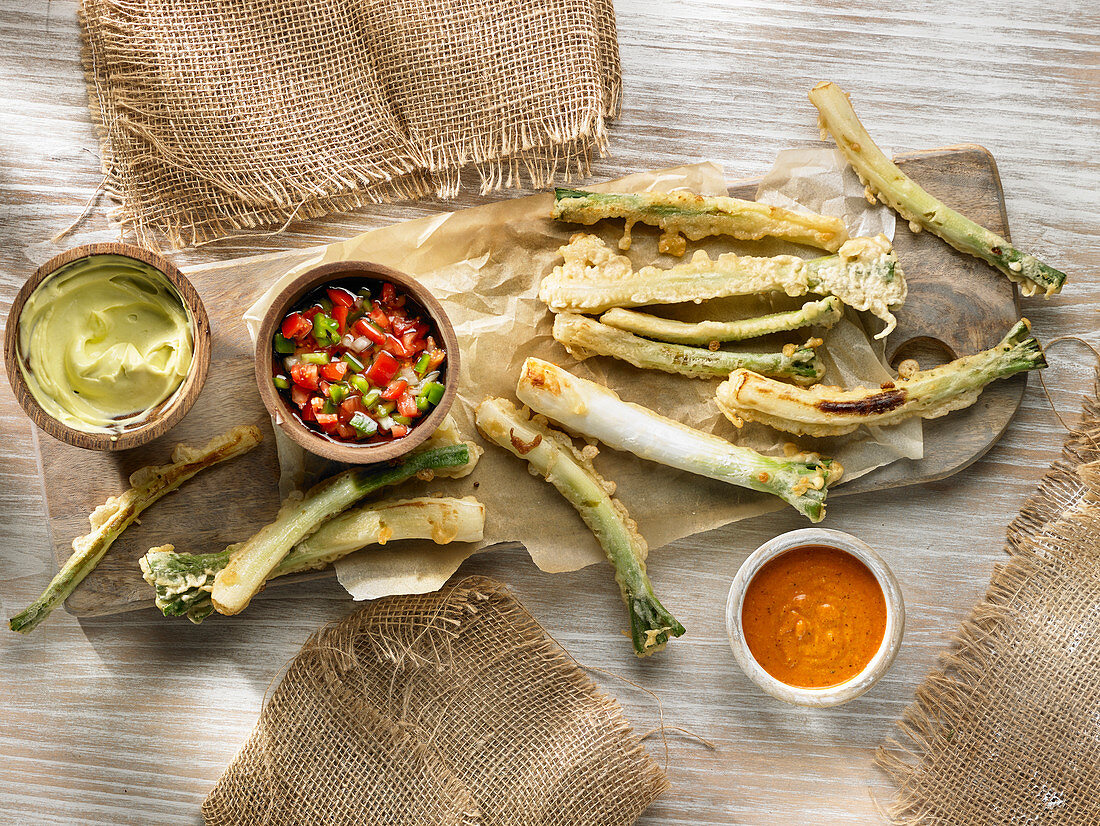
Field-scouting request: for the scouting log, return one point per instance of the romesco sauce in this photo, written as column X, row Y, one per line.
column 814, row 616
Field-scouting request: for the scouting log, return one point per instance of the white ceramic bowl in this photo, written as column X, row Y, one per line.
column 891, row 639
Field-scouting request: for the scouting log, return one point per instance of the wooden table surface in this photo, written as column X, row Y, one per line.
column 130, row 719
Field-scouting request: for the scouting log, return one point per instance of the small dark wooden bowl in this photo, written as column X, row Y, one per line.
column 280, row 409
column 168, row 412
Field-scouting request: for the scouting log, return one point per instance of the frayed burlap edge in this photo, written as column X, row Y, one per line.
column 1068, row 488
column 386, row 631
column 509, row 162
column 334, row 649
column 401, row 183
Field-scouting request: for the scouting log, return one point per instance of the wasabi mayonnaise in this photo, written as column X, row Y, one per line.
column 103, row 341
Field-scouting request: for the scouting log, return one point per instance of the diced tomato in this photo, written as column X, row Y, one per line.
column 394, row 391
column 334, row 370
column 340, row 297
column 346, row 431
column 435, row 358
column 296, row 325
column 299, row 395
column 382, row 369
column 412, row 342
column 406, row 406
column 340, row 313
column 399, row 430
column 307, row 414
column 304, row 375
column 379, row 317
column 394, row 345
column 368, row 330
column 349, row 407
column 328, row 421
column 312, row 311
column 389, row 293
column 317, row 403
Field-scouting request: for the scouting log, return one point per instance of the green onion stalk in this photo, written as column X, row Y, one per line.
column 553, row 456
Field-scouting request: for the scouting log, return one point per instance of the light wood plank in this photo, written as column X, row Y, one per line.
column 131, row 718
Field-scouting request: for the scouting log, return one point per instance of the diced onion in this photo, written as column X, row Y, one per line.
column 290, row 361
column 360, row 344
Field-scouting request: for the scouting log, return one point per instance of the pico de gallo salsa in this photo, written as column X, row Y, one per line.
column 358, row 361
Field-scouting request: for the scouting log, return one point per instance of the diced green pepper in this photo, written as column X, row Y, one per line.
column 361, row 384
column 353, row 363
column 371, row 398
column 432, row 391
column 329, row 407
column 363, row 423
column 325, row 329
column 282, row 382
column 405, row 420
column 384, row 408
column 338, row 392
column 422, row 365
column 283, row 344
column 364, row 292
column 314, row 358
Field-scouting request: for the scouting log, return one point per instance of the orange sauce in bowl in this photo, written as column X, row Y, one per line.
column 814, row 616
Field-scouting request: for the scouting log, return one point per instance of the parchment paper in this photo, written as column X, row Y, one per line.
column 484, row 265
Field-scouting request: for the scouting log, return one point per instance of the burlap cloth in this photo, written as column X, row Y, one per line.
column 217, row 116
column 445, row 708
column 1008, row 730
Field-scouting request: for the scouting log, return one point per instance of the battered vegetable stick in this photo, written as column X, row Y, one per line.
column 832, row 411
column 110, row 519
column 893, row 187
column 552, row 455
column 699, row 216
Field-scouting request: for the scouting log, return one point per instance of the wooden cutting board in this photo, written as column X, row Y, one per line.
column 956, row 305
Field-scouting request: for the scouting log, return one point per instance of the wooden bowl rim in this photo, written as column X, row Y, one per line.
column 280, row 411
column 172, row 410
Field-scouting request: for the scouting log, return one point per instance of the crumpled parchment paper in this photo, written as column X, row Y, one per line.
column 484, row 265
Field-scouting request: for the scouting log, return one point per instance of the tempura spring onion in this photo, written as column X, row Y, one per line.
column 894, row 188
column 110, row 519
column 554, row 457
column 832, row 411
column 183, row 582
column 823, row 313
column 253, row 561
column 584, row 336
column 699, row 216
column 595, row 411
column 865, row 275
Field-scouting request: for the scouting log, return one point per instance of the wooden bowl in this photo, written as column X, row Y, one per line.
column 280, row 410
column 165, row 415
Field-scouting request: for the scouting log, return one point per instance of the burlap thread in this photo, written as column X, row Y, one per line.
column 218, row 117
column 1007, row 731
column 445, row 708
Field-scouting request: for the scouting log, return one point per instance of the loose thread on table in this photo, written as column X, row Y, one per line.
column 1042, row 381
column 84, row 213
column 708, row 743
column 662, row 728
column 660, row 705
column 235, row 236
